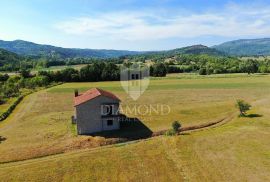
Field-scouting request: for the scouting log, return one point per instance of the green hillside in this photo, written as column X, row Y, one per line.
column 8, row 59
column 246, row 47
column 196, row 49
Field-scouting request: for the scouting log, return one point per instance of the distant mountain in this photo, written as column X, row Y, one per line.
column 25, row 48
column 246, row 47
column 32, row 49
column 196, row 49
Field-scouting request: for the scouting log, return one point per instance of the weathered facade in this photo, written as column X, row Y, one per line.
column 96, row 110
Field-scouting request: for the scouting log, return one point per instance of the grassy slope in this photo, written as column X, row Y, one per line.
column 237, row 151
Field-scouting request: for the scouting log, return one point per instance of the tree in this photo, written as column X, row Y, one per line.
column 4, row 77
column 159, row 70
column 243, row 107
column 25, row 73
column 249, row 66
column 110, row 72
column 202, row 71
column 10, row 90
column 176, row 125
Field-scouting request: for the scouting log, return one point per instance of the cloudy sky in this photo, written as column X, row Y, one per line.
column 133, row 24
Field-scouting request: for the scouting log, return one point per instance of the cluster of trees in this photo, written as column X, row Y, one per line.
column 98, row 71
column 11, row 87
column 205, row 64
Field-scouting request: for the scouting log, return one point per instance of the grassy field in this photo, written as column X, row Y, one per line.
column 58, row 68
column 52, row 68
column 236, row 151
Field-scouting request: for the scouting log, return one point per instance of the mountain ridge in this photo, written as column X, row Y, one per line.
column 26, row 48
column 245, row 47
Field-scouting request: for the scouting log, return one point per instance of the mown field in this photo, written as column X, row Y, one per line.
column 236, row 151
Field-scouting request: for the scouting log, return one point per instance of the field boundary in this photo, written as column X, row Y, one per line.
column 10, row 109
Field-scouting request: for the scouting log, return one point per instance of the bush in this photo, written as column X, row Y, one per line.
column 243, row 107
column 176, row 126
column 202, row 71
column 158, row 70
column 4, row 77
column 25, row 73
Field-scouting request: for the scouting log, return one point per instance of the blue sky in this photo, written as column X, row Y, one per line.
column 133, row 24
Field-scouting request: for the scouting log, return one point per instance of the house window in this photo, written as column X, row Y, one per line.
column 109, row 122
column 135, row 76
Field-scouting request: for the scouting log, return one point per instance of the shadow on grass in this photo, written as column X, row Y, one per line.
column 130, row 128
column 253, row 115
column 2, row 139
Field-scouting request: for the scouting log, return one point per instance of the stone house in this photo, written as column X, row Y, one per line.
column 96, row 110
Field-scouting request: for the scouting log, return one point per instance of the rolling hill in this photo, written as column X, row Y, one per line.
column 189, row 50
column 32, row 49
column 8, row 57
column 196, row 49
column 246, row 47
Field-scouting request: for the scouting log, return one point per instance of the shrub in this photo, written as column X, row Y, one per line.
column 158, row 70
column 25, row 73
column 4, row 77
column 243, row 107
column 175, row 126
column 202, row 71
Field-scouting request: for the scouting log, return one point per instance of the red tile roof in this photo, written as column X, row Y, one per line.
column 91, row 94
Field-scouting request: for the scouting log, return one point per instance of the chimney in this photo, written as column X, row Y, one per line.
column 76, row 93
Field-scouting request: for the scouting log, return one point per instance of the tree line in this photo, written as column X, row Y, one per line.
column 11, row 86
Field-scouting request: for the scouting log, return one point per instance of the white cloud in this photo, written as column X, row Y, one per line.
column 232, row 21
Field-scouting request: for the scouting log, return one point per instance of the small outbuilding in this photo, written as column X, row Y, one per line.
column 96, row 110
